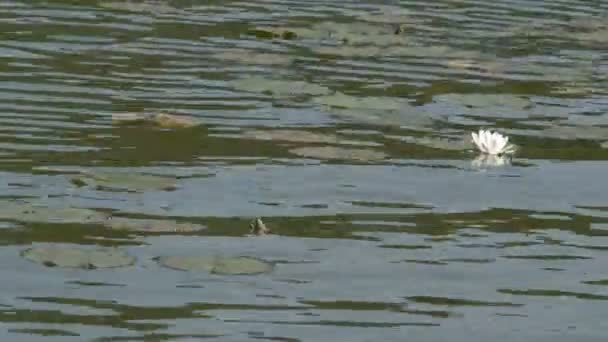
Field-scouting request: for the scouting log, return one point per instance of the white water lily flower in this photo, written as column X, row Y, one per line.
column 492, row 143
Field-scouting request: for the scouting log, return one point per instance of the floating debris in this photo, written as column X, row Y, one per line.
column 217, row 264
column 257, row 227
column 71, row 257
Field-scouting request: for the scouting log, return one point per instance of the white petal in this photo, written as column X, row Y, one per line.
column 500, row 144
column 484, row 141
column 492, row 143
column 476, row 140
column 504, row 144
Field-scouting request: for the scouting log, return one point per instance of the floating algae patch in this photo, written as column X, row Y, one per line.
column 162, row 120
column 339, row 153
column 24, row 211
column 217, row 264
column 123, row 181
column 279, row 87
column 152, row 226
column 71, row 257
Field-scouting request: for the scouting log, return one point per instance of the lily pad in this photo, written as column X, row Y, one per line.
column 217, row 264
column 356, row 33
column 151, row 6
column 271, row 32
column 389, row 14
column 279, row 87
column 30, row 212
column 438, row 143
column 152, row 226
column 351, row 51
column 485, row 100
column 575, row 132
column 300, row 136
column 250, row 57
column 78, row 258
column 339, row 153
column 162, row 120
column 290, row 136
column 340, row 100
column 123, row 181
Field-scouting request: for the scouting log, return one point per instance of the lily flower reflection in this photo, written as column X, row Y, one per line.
column 489, row 160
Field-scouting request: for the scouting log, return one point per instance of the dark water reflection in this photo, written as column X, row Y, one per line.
column 346, row 126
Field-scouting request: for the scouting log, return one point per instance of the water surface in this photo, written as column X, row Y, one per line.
column 346, row 126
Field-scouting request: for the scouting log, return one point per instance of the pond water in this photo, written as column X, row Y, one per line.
column 138, row 139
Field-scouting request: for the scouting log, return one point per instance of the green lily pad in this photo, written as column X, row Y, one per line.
column 575, row 132
column 123, row 181
column 279, row 87
column 485, row 100
column 272, row 32
column 300, row 136
column 437, row 143
column 162, row 120
column 356, row 33
column 339, row 153
column 152, row 226
column 70, row 257
column 352, row 33
column 351, row 51
column 216, row 264
column 340, row 100
column 30, row 212
column 249, row 57
column 390, row 15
